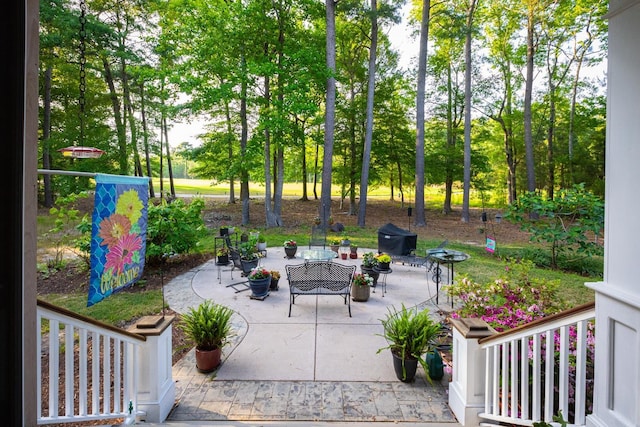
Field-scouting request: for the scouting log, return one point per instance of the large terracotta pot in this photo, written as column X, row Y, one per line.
column 407, row 373
column 208, row 360
column 360, row 293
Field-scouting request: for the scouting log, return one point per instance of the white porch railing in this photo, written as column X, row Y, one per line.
column 525, row 383
column 91, row 365
column 510, row 378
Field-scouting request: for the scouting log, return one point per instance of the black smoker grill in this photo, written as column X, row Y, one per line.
column 394, row 240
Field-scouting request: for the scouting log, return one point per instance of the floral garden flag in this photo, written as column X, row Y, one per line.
column 119, row 234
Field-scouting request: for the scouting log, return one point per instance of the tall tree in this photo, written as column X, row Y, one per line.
column 467, row 110
column 420, row 217
column 366, row 156
column 330, row 111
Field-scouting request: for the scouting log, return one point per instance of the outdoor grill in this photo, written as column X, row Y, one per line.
column 394, row 240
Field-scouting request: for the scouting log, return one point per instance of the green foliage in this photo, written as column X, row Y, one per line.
column 174, row 228
column 410, row 334
column 573, row 221
column 208, row 325
column 60, row 235
column 556, row 418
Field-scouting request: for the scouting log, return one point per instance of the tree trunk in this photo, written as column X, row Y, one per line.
column 329, row 121
column 419, row 220
column 528, row 137
column 467, row 113
column 368, row 136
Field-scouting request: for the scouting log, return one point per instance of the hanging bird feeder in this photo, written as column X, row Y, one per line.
column 81, row 152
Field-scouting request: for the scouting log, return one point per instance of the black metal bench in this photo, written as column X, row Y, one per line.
column 320, row 278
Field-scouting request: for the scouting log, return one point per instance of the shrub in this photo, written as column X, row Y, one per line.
column 174, row 228
column 511, row 300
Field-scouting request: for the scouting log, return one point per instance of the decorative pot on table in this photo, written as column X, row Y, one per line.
column 371, row 272
column 383, row 265
column 290, row 251
column 223, row 259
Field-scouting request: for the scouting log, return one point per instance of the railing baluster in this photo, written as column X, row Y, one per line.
column 581, row 371
column 548, row 380
column 95, row 373
column 106, row 374
column 496, row 378
column 504, row 348
column 524, row 377
column 82, row 371
column 68, row 370
column 54, row 360
column 514, row 378
column 117, row 393
column 563, row 386
column 536, row 385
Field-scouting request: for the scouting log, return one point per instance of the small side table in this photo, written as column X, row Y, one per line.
column 383, row 283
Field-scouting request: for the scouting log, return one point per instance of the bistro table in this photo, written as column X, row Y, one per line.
column 447, row 258
column 318, row 255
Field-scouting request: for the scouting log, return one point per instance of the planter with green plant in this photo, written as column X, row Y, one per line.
column 223, row 255
column 209, row 327
column 361, row 287
column 290, row 248
column 369, row 265
column 383, row 261
column 410, row 335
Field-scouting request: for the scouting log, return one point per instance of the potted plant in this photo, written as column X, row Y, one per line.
column 317, row 220
column 275, row 278
column 334, row 242
column 369, row 265
column 209, row 326
column 223, row 255
column 248, row 256
column 383, row 261
column 410, row 334
column 345, row 240
column 259, row 282
column 224, row 230
column 361, row 287
column 290, row 248
column 262, row 243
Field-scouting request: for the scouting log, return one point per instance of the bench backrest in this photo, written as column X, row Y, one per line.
column 320, row 274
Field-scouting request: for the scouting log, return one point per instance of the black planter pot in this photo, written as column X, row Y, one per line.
column 290, row 251
column 406, row 372
column 371, row 272
column 223, row 260
column 260, row 287
column 274, row 284
column 383, row 266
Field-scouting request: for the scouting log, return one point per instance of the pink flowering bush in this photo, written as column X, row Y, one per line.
column 517, row 298
column 513, row 299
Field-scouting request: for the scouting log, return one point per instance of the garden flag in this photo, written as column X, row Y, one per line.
column 119, row 234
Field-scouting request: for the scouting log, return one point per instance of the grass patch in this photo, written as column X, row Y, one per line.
column 114, row 310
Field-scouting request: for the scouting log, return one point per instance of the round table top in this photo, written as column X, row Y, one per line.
column 318, row 255
column 448, row 256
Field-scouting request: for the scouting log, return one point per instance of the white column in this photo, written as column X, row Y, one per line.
column 156, row 388
column 466, row 389
column 617, row 365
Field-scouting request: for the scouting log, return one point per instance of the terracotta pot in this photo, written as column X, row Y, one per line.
column 360, row 293
column 208, row 360
column 343, row 256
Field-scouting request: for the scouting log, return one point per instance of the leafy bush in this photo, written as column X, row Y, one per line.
column 174, row 228
column 573, row 221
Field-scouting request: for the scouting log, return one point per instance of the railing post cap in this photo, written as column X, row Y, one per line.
column 151, row 325
column 471, row 327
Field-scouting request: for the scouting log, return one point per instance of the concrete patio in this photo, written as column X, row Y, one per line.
column 319, row 365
